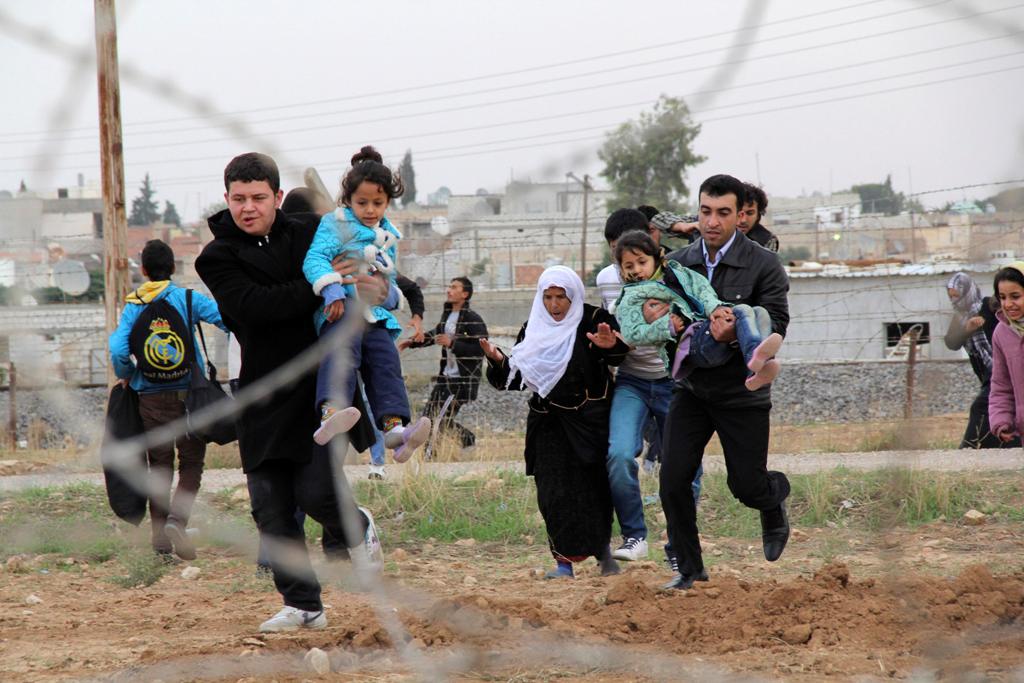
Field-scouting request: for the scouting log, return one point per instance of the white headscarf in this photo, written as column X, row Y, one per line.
column 543, row 355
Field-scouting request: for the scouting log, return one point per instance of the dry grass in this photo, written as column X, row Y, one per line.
column 939, row 432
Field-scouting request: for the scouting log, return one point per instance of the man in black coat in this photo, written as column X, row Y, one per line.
column 458, row 334
column 715, row 399
column 253, row 268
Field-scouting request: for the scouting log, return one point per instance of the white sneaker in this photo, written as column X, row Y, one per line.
column 292, row 619
column 631, row 550
column 373, row 553
column 376, row 472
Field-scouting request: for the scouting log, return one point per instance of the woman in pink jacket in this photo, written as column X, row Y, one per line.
column 1006, row 398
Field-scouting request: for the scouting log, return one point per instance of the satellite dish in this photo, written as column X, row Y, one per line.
column 71, row 277
column 440, row 225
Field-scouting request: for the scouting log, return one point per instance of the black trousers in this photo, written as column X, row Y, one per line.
column 276, row 489
column 744, row 436
column 978, row 434
column 457, row 388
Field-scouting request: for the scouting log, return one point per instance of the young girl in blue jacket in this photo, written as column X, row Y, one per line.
column 359, row 230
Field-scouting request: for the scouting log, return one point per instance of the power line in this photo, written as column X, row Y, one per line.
column 192, row 179
column 41, row 38
column 818, row 72
column 552, row 94
column 196, row 179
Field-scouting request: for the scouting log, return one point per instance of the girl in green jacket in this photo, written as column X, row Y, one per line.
column 664, row 304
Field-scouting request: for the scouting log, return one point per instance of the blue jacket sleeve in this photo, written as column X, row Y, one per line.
column 325, row 247
column 392, row 300
column 332, row 292
column 120, row 355
column 206, row 310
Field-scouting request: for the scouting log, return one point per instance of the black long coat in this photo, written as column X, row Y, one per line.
column 265, row 300
column 580, row 403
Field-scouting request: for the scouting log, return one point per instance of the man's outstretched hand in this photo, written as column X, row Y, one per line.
column 491, row 351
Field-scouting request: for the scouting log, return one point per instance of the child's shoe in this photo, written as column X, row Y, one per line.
column 376, row 472
column 334, row 422
column 764, row 377
column 405, row 440
column 764, row 352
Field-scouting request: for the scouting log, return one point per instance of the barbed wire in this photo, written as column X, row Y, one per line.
column 389, row 596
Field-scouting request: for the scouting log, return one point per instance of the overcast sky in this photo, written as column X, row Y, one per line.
column 484, row 91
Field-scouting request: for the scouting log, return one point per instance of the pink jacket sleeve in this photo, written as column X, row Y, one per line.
column 1000, row 395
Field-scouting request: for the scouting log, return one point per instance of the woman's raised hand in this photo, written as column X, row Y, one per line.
column 491, row 351
column 605, row 338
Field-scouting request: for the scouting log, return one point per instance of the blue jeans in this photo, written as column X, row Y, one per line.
column 373, row 355
column 753, row 324
column 377, row 449
column 635, row 400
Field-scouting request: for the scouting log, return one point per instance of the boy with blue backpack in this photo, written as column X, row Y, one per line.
column 154, row 351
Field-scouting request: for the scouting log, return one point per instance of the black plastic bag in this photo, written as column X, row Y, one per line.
column 203, row 392
column 123, row 422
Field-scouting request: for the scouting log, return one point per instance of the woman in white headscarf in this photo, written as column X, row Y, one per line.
column 563, row 354
column 971, row 328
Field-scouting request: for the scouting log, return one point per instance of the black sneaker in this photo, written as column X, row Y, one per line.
column 685, row 581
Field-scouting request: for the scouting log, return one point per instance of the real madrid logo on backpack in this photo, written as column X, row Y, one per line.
column 161, row 343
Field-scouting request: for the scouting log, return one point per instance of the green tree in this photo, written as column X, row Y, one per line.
column 408, row 175
column 880, row 198
column 171, row 216
column 145, row 211
column 645, row 161
column 216, row 207
column 606, row 259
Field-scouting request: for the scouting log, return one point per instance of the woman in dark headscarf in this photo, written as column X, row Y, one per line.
column 971, row 329
column 563, row 354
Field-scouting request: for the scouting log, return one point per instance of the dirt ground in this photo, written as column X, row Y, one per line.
column 942, row 598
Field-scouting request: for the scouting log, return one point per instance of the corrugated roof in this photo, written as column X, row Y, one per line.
column 892, row 269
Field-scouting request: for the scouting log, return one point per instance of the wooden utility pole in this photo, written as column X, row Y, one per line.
column 12, row 406
column 115, row 229
column 583, row 239
column 908, row 407
column 817, row 238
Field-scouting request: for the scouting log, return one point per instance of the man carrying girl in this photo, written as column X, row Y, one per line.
column 717, row 399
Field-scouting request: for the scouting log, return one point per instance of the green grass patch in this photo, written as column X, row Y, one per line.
column 142, row 568
column 71, row 521
column 499, row 507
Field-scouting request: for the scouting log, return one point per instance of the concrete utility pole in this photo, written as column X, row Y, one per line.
column 583, row 239
column 115, row 229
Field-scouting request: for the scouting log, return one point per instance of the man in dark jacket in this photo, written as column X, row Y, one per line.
column 715, row 399
column 253, row 268
column 749, row 222
column 458, row 334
